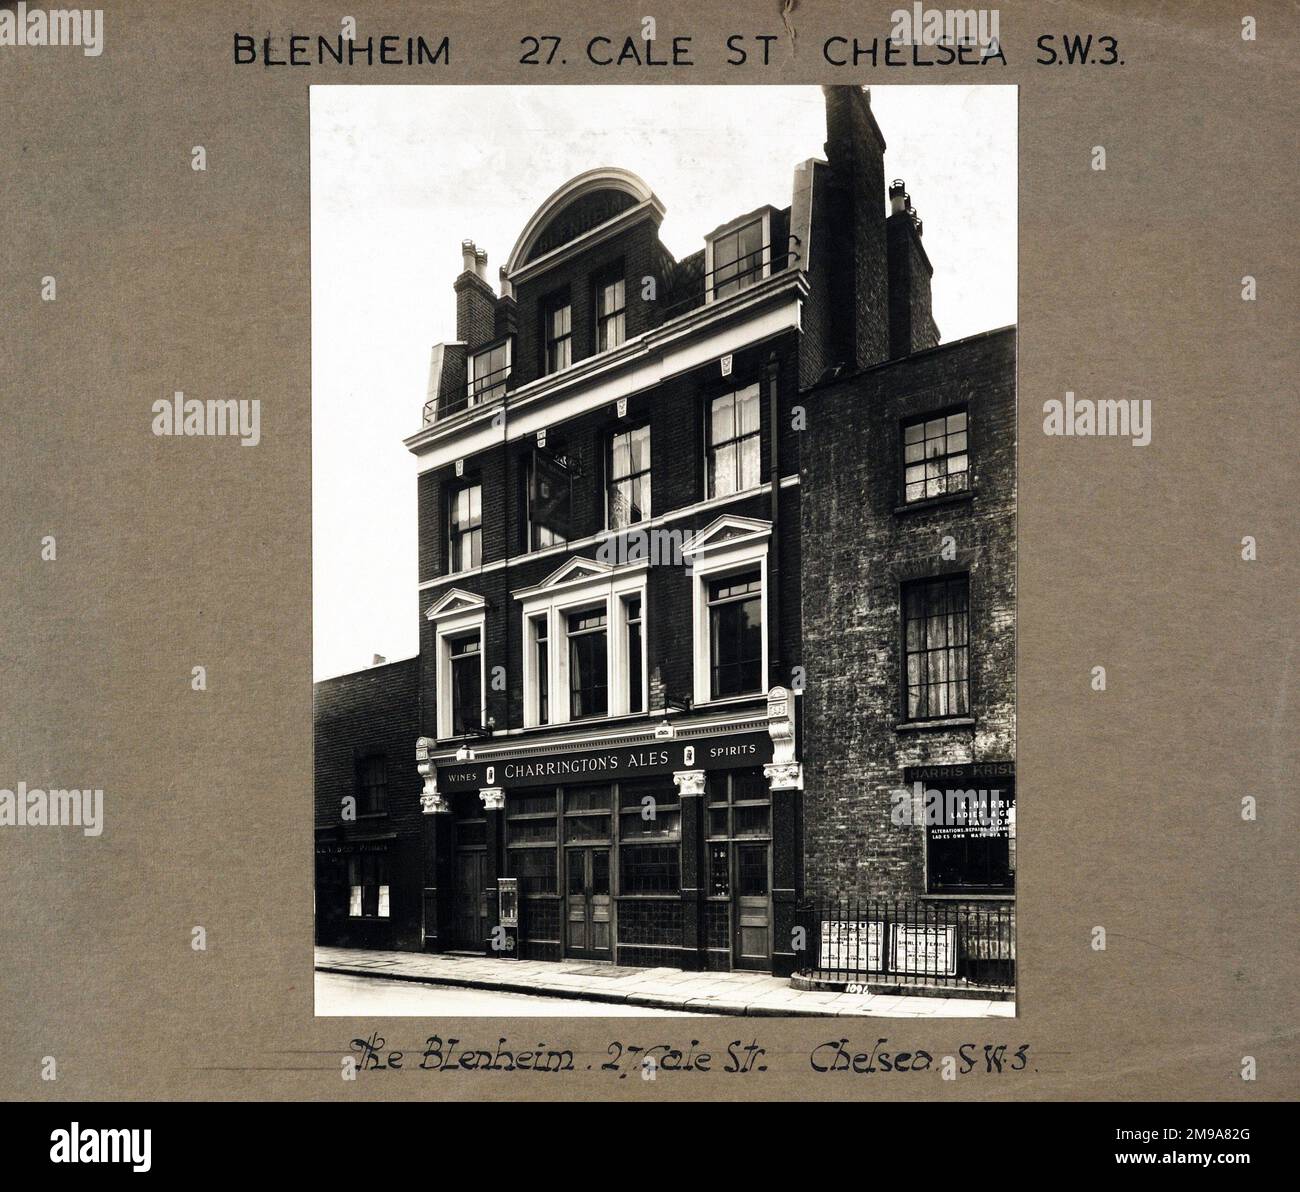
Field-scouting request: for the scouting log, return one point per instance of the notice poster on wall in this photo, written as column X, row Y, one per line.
column 851, row 946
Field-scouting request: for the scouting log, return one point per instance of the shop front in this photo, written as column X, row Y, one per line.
column 671, row 845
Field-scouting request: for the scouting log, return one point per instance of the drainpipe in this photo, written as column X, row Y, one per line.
column 776, row 666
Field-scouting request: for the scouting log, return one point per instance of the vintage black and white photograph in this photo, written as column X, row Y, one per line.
column 664, row 553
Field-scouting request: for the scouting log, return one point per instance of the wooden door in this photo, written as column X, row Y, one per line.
column 589, row 929
column 470, row 905
column 753, row 915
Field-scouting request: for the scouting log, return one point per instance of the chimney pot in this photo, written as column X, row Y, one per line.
column 468, row 256
column 480, row 263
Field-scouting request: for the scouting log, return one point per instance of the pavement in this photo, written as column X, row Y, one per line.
column 658, row 988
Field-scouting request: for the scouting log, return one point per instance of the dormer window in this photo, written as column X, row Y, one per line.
column 737, row 256
column 488, row 372
column 557, row 326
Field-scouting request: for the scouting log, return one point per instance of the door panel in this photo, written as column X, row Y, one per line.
column 589, row 912
column 753, row 943
column 600, row 902
column 470, row 911
column 577, row 900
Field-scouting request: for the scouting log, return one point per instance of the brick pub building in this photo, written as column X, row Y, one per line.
column 717, row 557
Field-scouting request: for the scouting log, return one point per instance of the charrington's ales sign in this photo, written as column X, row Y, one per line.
column 595, row 765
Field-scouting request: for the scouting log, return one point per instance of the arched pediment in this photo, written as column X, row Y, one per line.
column 582, row 203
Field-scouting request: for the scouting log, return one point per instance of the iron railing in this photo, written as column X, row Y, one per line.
column 733, row 277
column 482, row 389
column 892, row 942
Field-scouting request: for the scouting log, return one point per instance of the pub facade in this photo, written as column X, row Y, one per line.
column 612, row 688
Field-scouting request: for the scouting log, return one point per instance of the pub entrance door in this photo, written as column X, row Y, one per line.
column 588, row 933
column 469, row 920
column 752, row 948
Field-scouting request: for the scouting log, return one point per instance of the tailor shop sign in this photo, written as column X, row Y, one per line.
column 599, row 765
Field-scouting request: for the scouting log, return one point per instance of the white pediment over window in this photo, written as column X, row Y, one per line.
column 453, row 604
column 728, row 530
column 575, row 571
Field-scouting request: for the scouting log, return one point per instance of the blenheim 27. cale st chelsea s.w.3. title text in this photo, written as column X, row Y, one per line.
column 717, row 605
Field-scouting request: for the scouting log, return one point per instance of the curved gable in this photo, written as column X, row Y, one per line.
column 582, row 203
column 580, row 216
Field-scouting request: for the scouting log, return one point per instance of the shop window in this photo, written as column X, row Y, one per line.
column 973, row 849
column 649, row 810
column 936, row 645
column 719, row 869
column 649, row 869
column 936, row 462
column 368, row 886
column 739, row 825
column 535, row 868
column 372, row 784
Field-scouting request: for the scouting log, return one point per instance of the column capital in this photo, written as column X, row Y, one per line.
column 784, row 776
column 494, row 798
column 432, row 803
column 689, row 782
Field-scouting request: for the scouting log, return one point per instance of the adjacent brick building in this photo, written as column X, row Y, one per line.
column 673, row 541
column 369, row 865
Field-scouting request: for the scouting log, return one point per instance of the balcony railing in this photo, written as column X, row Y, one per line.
column 725, row 280
column 481, row 389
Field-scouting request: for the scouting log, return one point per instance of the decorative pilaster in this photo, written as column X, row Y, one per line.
column 690, row 789
column 784, row 774
column 435, row 849
column 689, row 782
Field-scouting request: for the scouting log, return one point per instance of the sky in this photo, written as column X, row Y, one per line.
column 401, row 175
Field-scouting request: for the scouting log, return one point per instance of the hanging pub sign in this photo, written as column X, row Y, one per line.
column 550, row 501
column 597, row 765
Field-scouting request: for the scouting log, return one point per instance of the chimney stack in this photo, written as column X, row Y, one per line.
column 858, row 264
column 911, row 322
column 475, row 299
